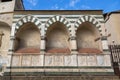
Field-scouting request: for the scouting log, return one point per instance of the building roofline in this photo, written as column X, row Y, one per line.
column 109, row 13
column 106, row 15
column 60, row 10
column 98, row 12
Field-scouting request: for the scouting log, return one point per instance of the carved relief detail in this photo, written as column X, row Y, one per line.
column 100, row 60
column 26, row 60
column 58, row 60
column 67, row 60
column 82, row 61
column 48, row 60
column 91, row 60
column 35, row 60
column 16, row 61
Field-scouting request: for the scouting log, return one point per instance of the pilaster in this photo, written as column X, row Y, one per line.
column 43, row 44
column 104, row 43
column 73, row 44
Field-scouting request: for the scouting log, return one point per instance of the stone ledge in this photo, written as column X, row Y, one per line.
column 41, row 77
column 24, row 67
column 58, row 73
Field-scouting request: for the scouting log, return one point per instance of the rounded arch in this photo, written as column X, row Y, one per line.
column 4, row 38
column 26, row 19
column 88, row 19
column 87, row 35
column 4, row 23
column 57, row 19
column 57, row 38
column 27, row 39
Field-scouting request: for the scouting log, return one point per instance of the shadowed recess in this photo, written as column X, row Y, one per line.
column 86, row 35
column 28, row 39
column 57, row 39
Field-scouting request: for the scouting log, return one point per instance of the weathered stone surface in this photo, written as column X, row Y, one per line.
column 60, row 78
column 100, row 60
column 26, row 60
column 91, row 60
column 35, row 60
column 49, row 60
column 58, row 60
column 82, row 60
column 16, row 61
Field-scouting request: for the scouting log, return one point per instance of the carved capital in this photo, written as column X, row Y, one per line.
column 43, row 37
column 106, row 50
column 104, row 38
column 11, row 50
column 72, row 38
column 42, row 51
column 12, row 37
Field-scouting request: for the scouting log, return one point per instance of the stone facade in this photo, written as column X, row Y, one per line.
column 67, row 42
column 58, row 39
column 112, row 26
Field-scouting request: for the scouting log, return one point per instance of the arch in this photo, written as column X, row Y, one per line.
column 26, row 19
column 89, row 19
column 57, row 38
column 57, row 19
column 4, row 23
column 4, row 37
column 86, row 34
column 27, row 39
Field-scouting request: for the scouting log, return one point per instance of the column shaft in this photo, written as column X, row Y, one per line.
column 104, row 43
column 73, row 44
column 43, row 44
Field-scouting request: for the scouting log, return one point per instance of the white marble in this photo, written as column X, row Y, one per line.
column 35, row 60
column 104, row 44
column 82, row 60
column 26, row 60
column 107, row 60
column 16, row 61
column 91, row 60
column 49, row 60
column 58, row 60
column 70, row 60
column 43, row 44
column 100, row 60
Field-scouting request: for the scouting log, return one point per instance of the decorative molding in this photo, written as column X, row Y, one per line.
column 72, row 38
column 104, row 38
column 89, row 19
column 59, row 19
column 12, row 37
column 106, row 50
column 42, row 49
column 43, row 37
column 26, row 19
column 11, row 50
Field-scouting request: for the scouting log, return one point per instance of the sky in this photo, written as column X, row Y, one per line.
column 105, row 5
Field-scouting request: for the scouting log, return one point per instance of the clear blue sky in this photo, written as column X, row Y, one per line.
column 105, row 5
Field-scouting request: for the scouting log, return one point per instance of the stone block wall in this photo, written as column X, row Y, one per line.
column 50, row 42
